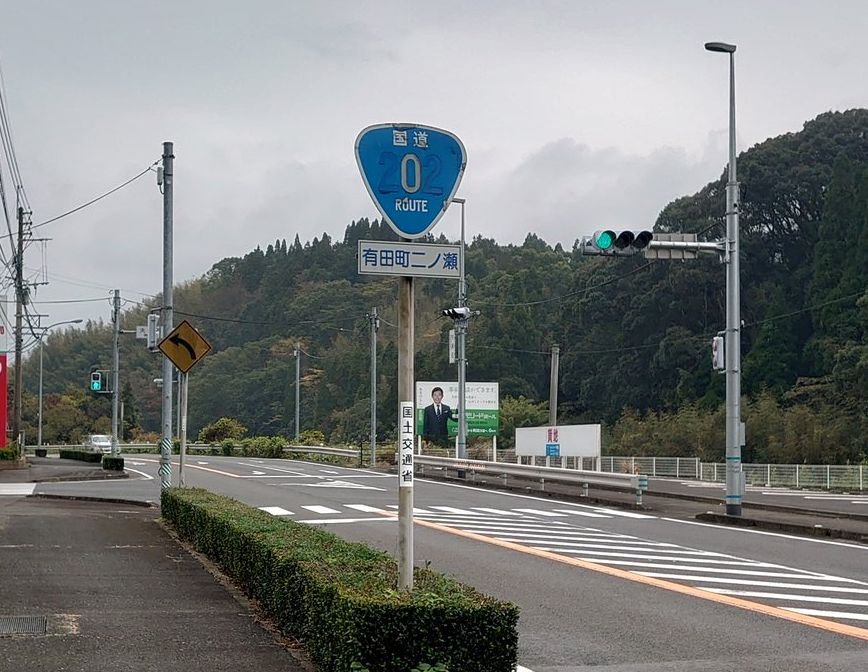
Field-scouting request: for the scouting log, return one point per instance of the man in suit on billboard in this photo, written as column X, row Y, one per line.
column 434, row 426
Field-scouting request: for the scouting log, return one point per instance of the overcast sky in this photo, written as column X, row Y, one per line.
column 575, row 114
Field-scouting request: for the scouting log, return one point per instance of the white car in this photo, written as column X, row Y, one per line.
column 99, row 443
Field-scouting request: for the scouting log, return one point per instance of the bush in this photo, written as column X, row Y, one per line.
column 219, row 430
column 263, row 446
column 311, row 437
column 81, row 455
column 110, row 463
column 227, row 447
column 339, row 597
column 8, row 454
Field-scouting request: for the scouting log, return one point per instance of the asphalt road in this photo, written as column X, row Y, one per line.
column 855, row 502
column 599, row 588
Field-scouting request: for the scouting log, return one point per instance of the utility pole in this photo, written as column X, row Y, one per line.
column 461, row 334
column 553, row 387
column 297, row 388
column 166, row 438
column 116, row 375
column 20, row 301
column 375, row 325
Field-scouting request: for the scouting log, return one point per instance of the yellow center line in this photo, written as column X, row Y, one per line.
column 756, row 607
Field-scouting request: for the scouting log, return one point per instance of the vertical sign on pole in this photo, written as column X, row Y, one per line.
column 411, row 172
column 406, row 424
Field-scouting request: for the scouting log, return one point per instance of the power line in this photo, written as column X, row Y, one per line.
column 98, row 198
column 568, row 294
column 236, row 320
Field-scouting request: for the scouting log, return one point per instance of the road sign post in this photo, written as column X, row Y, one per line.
column 184, row 347
column 411, row 172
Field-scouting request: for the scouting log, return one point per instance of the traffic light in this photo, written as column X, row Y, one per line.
column 616, row 243
column 460, row 313
column 96, row 381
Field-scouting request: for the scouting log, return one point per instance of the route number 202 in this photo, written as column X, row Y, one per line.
column 409, row 174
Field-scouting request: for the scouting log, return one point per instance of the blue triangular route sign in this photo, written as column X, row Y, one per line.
column 412, row 172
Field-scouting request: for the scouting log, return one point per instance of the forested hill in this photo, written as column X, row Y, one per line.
column 634, row 334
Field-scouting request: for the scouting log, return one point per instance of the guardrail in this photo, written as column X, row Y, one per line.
column 635, row 482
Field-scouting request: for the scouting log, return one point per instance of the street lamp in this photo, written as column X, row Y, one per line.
column 41, row 345
column 734, row 432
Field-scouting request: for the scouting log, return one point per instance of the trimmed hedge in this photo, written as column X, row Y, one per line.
column 82, row 455
column 8, row 454
column 110, row 463
column 340, row 598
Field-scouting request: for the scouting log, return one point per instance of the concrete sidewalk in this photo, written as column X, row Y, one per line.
column 54, row 469
column 120, row 594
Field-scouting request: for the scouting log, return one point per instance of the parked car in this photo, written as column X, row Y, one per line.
column 99, row 443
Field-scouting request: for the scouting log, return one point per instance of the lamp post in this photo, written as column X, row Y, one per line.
column 41, row 345
column 734, row 433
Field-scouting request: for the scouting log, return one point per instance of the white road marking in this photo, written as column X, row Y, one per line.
column 528, row 538
column 548, row 514
column 148, row 477
column 573, row 544
column 416, row 512
column 746, row 582
column 329, row 471
column 717, row 570
column 497, row 512
column 767, row 534
column 789, row 597
column 276, row 511
column 284, row 471
column 259, row 473
column 315, row 508
column 625, row 514
column 17, row 488
column 586, row 514
column 520, row 668
column 452, row 509
column 335, row 521
column 739, row 563
column 364, row 508
column 829, row 614
column 198, row 462
column 138, row 464
column 340, row 484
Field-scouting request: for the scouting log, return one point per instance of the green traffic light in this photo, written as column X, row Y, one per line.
column 605, row 240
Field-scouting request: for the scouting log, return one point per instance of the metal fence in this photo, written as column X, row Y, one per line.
column 822, row 476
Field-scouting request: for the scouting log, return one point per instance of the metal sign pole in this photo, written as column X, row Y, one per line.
column 406, row 339
column 183, row 433
column 168, row 192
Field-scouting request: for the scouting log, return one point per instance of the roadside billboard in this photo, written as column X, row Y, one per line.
column 482, row 400
column 560, row 441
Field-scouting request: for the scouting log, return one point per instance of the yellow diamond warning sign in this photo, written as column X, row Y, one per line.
column 185, row 346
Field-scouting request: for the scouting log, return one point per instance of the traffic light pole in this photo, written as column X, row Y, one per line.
column 733, row 320
column 116, row 319
column 166, row 438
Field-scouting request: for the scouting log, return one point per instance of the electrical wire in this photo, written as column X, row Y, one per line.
column 98, row 198
column 568, row 294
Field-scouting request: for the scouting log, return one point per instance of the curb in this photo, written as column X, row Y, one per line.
column 108, row 476
column 795, row 528
column 87, row 498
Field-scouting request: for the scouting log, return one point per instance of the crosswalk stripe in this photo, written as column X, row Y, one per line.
column 577, row 535
column 746, row 582
column 829, row 614
column 497, row 512
column 17, row 488
column 791, row 598
column 276, row 511
column 320, row 509
column 625, row 514
column 365, row 508
column 656, row 557
column 452, row 509
column 573, row 544
column 719, row 570
column 547, row 514
column 416, row 511
column 586, row 514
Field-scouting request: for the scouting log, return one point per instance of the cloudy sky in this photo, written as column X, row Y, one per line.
column 575, row 114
